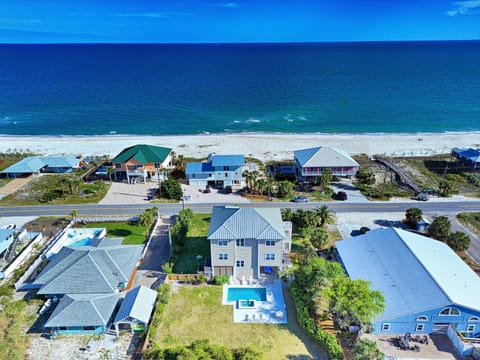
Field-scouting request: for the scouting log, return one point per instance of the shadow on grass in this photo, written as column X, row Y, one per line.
column 187, row 262
column 120, row 232
column 294, row 326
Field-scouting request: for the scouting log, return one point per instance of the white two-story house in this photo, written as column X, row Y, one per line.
column 218, row 170
column 248, row 242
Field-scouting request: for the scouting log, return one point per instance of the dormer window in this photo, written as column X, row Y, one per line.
column 422, row 318
column 449, row 311
column 473, row 318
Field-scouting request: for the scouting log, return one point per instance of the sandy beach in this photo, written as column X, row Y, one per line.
column 262, row 146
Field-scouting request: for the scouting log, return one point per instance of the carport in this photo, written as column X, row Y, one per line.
column 136, row 309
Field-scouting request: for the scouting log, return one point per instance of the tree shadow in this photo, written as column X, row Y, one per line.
column 391, row 223
column 120, row 232
column 438, row 166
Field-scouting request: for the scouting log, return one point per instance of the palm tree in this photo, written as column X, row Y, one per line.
column 270, row 185
column 325, row 214
column 261, row 185
column 74, row 214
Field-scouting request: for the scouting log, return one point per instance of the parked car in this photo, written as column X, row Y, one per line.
column 227, row 189
column 207, row 189
column 364, row 230
column 301, row 199
column 342, row 196
column 422, row 196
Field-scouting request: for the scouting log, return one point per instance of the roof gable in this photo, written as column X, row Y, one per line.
column 83, row 310
column 324, row 157
column 246, row 223
column 143, row 154
column 87, row 269
column 138, row 304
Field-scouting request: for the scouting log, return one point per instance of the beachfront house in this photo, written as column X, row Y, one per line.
column 218, row 170
column 248, row 242
column 84, row 281
column 142, row 162
column 470, row 158
column 426, row 286
column 311, row 163
column 34, row 165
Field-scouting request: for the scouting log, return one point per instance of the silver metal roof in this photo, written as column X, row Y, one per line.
column 410, row 270
column 246, row 223
column 137, row 304
column 322, row 156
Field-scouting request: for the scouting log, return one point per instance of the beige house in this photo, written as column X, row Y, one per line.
column 248, row 242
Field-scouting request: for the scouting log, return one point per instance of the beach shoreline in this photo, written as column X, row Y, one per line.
column 264, row 146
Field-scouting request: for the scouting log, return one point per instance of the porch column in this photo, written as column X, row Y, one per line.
column 131, row 328
column 116, row 329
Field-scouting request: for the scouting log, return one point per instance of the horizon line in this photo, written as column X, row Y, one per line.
column 241, row 42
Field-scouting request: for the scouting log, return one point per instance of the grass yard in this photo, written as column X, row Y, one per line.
column 47, row 190
column 196, row 243
column 471, row 221
column 131, row 232
column 195, row 312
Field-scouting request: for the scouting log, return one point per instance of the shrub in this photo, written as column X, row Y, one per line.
column 171, row 189
column 221, row 279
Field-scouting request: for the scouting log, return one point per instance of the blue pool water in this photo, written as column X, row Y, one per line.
column 82, row 242
column 258, row 294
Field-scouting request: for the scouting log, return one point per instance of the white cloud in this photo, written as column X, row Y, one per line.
column 158, row 15
column 465, row 7
column 229, row 5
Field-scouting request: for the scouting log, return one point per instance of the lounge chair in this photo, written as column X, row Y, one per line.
column 254, row 317
column 246, row 317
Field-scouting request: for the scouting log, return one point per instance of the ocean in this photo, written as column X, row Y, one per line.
column 154, row 89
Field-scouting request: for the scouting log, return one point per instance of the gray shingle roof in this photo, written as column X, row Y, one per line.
column 246, row 223
column 137, row 304
column 83, row 310
column 324, row 157
column 88, row 269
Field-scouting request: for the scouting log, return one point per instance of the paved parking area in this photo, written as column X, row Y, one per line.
column 349, row 224
column 353, row 194
column 215, row 196
column 123, row 193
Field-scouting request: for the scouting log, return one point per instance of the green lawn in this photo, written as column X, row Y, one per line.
column 196, row 243
column 195, row 312
column 131, row 232
column 471, row 220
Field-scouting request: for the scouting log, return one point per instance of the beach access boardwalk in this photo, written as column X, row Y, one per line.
column 400, row 173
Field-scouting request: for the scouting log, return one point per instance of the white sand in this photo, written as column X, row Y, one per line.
column 262, row 146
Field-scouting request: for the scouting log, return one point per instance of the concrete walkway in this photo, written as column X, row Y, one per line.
column 13, row 185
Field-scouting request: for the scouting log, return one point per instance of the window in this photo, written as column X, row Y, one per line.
column 135, row 167
column 89, row 328
column 240, row 242
column 62, row 328
column 419, row 327
column 209, row 175
column 473, row 318
column 269, row 256
column 449, row 311
column 223, row 256
column 226, row 174
column 470, row 328
column 193, row 175
column 270, row 243
column 157, row 165
column 118, row 165
column 240, row 263
column 236, row 182
column 422, row 318
column 385, row 327
column 222, row 242
column 226, row 168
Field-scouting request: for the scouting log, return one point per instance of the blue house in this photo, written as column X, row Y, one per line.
column 469, row 158
column 426, row 286
column 43, row 164
column 218, row 170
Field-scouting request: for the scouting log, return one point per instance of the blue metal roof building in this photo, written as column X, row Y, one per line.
column 36, row 164
column 426, row 286
column 218, row 170
column 6, row 238
column 468, row 157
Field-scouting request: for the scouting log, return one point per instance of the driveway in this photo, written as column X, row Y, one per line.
column 215, row 196
column 123, row 193
column 353, row 194
column 349, row 224
column 474, row 249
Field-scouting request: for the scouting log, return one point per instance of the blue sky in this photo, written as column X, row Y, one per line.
column 190, row 21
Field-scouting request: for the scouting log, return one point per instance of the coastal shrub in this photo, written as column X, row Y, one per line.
column 247, row 353
column 171, row 189
column 163, row 296
column 473, row 179
column 221, row 279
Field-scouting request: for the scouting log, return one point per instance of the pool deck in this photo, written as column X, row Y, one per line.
column 272, row 311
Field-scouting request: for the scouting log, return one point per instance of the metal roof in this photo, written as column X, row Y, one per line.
column 6, row 238
column 246, row 223
column 198, row 168
column 83, row 310
column 409, row 270
column 471, row 154
column 322, row 156
column 227, row 160
column 33, row 164
column 143, row 154
column 88, row 269
column 137, row 304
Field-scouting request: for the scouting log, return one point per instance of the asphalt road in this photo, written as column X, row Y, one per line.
column 170, row 209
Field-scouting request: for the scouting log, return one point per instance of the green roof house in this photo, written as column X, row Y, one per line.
column 141, row 162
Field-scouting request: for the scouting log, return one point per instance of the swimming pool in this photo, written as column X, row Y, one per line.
column 82, row 242
column 247, row 293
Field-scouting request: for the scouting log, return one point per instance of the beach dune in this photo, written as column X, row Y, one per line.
column 258, row 145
